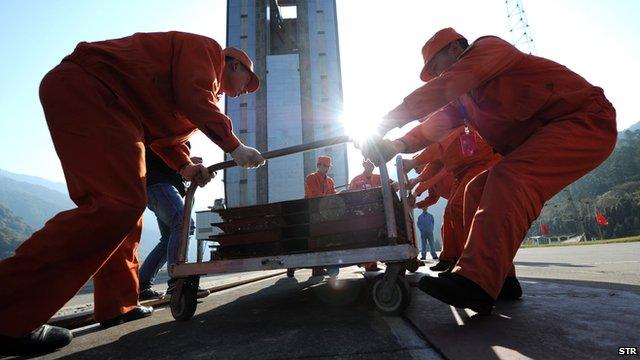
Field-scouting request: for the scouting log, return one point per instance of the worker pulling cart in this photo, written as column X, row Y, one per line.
column 338, row 230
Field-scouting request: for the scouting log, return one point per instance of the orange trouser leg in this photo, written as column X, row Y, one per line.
column 450, row 249
column 102, row 155
column 517, row 186
column 116, row 285
column 472, row 195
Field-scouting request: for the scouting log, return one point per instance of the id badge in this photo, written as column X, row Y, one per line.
column 468, row 143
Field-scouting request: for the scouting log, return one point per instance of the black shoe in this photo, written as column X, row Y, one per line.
column 442, row 265
column 435, row 257
column 316, row 271
column 458, row 291
column 511, row 289
column 138, row 312
column 42, row 340
column 423, row 258
column 150, row 294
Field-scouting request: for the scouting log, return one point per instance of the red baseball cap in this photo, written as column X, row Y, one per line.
column 254, row 82
column 437, row 42
column 324, row 160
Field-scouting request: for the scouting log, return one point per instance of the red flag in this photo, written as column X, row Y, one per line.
column 544, row 229
column 601, row 220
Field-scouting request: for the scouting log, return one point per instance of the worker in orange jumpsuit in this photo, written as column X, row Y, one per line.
column 439, row 184
column 463, row 167
column 367, row 179
column 550, row 125
column 103, row 104
column 319, row 183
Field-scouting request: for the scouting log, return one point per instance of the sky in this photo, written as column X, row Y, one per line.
column 380, row 44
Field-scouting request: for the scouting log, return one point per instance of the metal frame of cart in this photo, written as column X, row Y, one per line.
column 390, row 290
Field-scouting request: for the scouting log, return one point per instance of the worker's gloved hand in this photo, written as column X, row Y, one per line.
column 408, row 164
column 412, row 183
column 197, row 173
column 196, row 160
column 247, row 157
column 378, row 149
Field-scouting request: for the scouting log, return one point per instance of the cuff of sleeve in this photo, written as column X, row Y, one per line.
column 230, row 143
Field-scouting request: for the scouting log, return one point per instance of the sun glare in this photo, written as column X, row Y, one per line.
column 359, row 127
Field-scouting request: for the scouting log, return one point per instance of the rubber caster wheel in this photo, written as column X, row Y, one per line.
column 184, row 300
column 291, row 273
column 413, row 265
column 392, row 300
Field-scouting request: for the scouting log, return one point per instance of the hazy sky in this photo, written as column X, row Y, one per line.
column 379, row 43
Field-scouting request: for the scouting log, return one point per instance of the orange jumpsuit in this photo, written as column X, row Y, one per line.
column 103, row 104
column 363, row 181
column 549, row 123
column 317, row 184
column 463, row 168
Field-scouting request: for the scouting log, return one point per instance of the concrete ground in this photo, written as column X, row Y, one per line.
column 579, row 302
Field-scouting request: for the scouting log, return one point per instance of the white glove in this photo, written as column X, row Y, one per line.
column 247, row 157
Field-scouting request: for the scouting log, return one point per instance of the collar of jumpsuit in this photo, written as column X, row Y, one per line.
column 436, row 43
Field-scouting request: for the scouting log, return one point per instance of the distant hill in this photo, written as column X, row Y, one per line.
column 36, row 200
column 13, row 230
column 57, row 186
column 35, row 204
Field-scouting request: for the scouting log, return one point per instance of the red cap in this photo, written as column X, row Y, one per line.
column 437, row 42
column 324, row 160
column 242, row 56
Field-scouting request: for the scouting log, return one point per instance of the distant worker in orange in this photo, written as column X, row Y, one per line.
column 550, row 125
column 319, row 183
column 103, row 104
column 367, row 179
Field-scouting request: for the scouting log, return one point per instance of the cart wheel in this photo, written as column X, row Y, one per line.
column 392, row 302
column 413, row 265
column 291, row 272
column 184, row 300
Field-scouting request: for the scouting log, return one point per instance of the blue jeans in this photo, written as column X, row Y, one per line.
column 167, row 204
column 424, row 237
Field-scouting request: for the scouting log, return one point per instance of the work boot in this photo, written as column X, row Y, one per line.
column 511, row 289
column 138, row 312
column 42, row 340
column 150, row 294
column 442, row 265
column 457, row 290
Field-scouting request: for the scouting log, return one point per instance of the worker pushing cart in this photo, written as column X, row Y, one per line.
column 103, row 104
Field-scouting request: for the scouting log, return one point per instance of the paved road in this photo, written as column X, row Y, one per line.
column 609, row 266
column 588, row 311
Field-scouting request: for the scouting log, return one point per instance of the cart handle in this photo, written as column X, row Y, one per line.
column 191, row 190
column 286, row 151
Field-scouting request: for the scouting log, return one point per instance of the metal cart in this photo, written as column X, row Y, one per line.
column 390, row 291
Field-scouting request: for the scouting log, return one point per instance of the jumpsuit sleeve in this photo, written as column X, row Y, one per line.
column 332, row 186
column 197, row 74
column 431, row 170
column 432, row 153
column 175, row 156
column 355, row 184
column 433, row 129
column 485, row 59
column 428, row 201
column 435, row 178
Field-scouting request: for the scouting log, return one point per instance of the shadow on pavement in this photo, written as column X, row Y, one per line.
column 554, row 320
column 285, row 320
